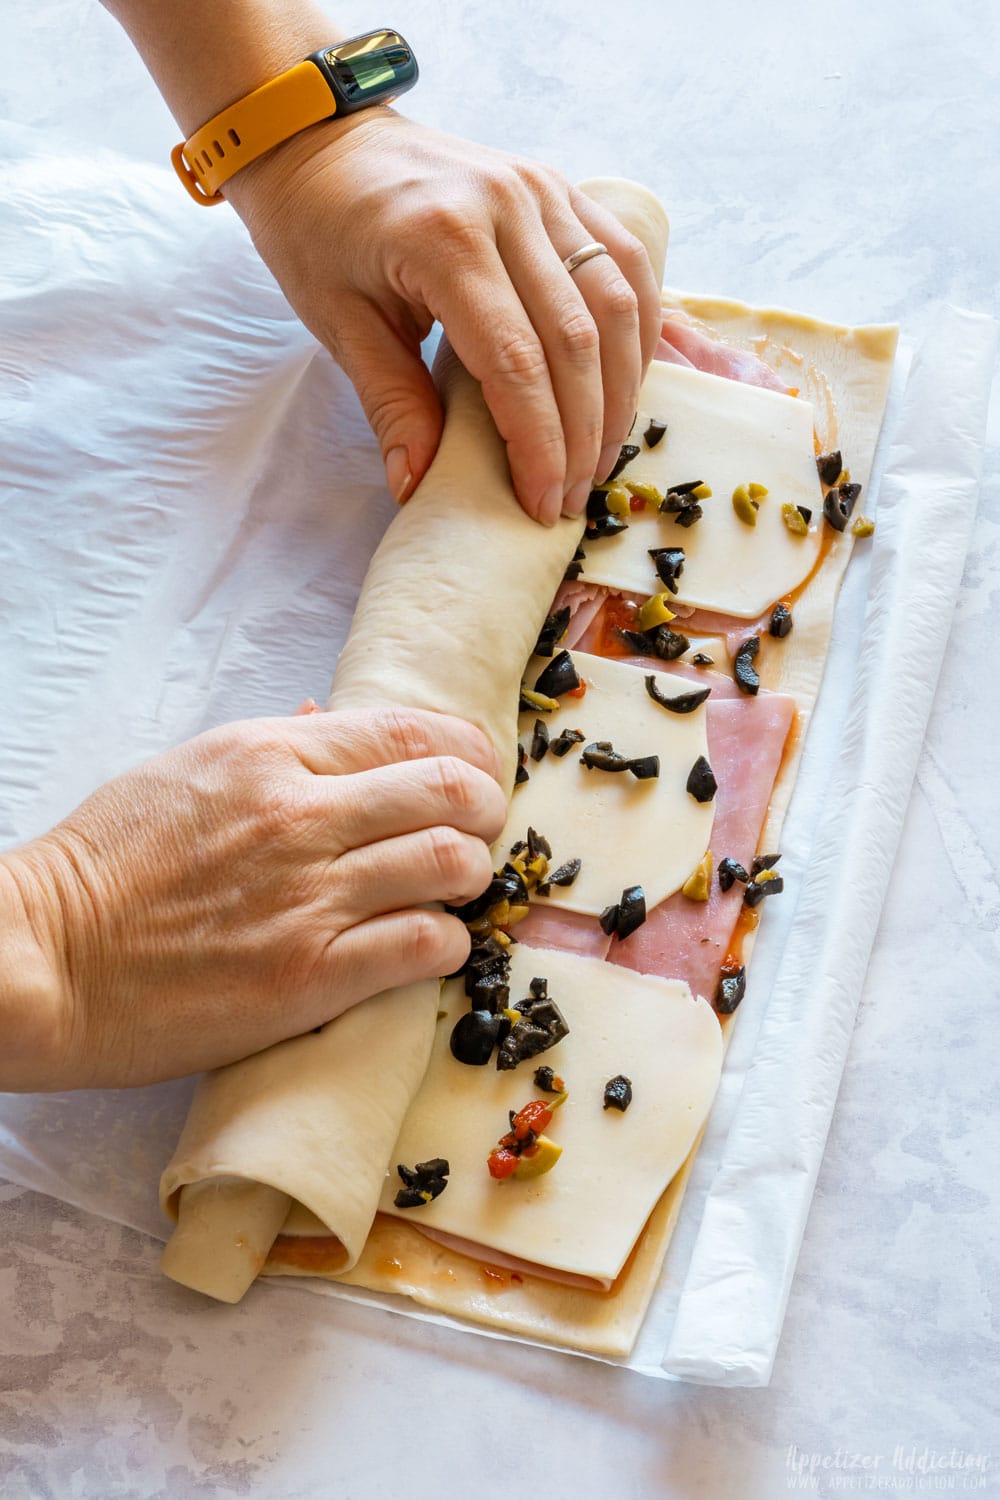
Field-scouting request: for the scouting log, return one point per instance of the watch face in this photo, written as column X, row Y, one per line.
column 372, row 67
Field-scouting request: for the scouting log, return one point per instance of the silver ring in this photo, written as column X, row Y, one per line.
column 585, row 252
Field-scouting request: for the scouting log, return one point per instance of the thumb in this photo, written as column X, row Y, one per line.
column 395, row 388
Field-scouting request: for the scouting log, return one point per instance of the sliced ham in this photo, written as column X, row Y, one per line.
column 682, row 343
column 566, row 931
column 584, row 601
column 513, row 1263
column 684, row 939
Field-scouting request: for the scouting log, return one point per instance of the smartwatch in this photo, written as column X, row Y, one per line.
column 338, row 80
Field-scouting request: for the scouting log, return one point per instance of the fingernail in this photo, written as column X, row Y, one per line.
column 606, row 462
column 551, row 507
column 307, row 706
column 576, row 500
column 398, row 476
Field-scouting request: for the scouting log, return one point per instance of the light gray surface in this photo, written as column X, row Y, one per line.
column 843, row 164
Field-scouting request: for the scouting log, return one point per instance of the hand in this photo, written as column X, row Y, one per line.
column 375, row 226
column 252, row 884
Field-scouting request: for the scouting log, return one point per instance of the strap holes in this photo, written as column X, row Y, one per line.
column 234, row 138
column 218, row 150
column 206, row 158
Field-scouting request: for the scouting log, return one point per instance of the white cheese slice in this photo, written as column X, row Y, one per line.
column 726, row 434
column 626, row 832
column 584, row 1215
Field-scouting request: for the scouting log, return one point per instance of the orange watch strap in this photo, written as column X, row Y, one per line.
column 238, row 135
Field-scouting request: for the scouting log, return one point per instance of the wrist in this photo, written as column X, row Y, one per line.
column 34, row 989
column 262, row 182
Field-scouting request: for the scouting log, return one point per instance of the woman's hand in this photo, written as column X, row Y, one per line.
column 375, row 226
column 247, row 886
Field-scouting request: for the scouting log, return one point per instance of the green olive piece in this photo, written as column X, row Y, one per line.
column 794, row 520
column 698, row 886
column 655, row 612
column 744, row 507
column 647, row 492
column 862, row 526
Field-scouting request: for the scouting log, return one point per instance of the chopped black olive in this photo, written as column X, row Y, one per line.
column 575, row 567
column 744, row 670
column 564, row 742
column 758, row 889
column 654, row 432
column 566, row 873
column 730, row 870
column 732, row 988
column 600, row 756
column 830, row 466
column 699, row 659
column 422, row 1183
column 701, row 782
column 805, row 513
column 539, row 740
column 661, row 641
column 474, row 1037
column 539, row 989
column 688, row 516
column 839, row 504
column 538, row 844
column 597, row 504
column 669, row 564
column 410, row 1198
column 520, row 776
column 681, row 503
column 618, row 1093
column 763, row 862
column 645, row 767
column 548, row 1081
column 488, row 992
column 558, row 676
column 631, row 912
column 609, row 919
column 605, row 526
column 543, row 1025
column 683, row 703
column 552, row 631
column 781, row 621
column 544, row 888
column 628, row 452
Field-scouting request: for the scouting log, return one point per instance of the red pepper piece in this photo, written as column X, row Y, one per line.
column 535, row 1115
column 502, row 1163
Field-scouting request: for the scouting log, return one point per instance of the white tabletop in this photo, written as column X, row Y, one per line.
column 841, row 160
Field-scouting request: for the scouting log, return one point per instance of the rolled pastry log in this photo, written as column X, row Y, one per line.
column 315, row 1118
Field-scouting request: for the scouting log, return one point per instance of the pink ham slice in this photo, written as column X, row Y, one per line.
column 566, row 931
column 584, row 601
column 683, row 939
column 681, row 343
column 513, row 1262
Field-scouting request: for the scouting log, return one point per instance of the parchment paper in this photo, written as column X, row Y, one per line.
column 190, row 499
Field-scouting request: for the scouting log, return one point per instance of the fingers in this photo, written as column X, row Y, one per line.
column 388, row 951
column 621, row 290
column 395, row 388
column 436, row 864
column 571, row 341
column 354, row 740
column 392, row 800
column 629, row 254
column 471, row 293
